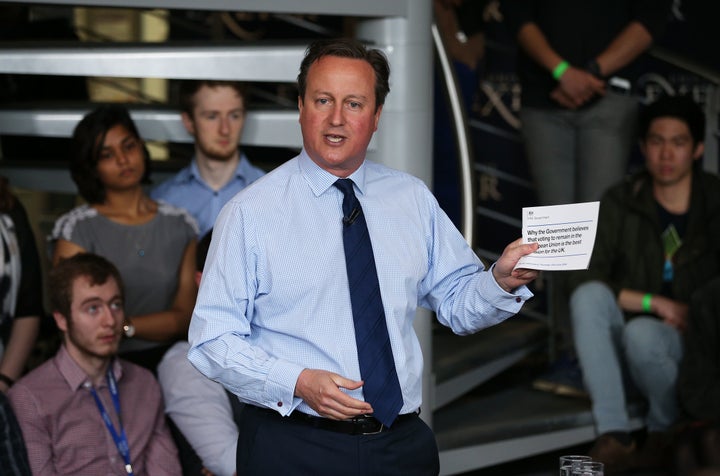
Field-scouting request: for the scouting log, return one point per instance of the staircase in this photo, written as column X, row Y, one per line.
column 478, row 396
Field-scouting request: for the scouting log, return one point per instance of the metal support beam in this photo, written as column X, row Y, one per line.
column 404, row 137
column 246, row 62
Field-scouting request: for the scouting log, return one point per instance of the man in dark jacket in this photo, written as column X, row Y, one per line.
column 656, row 243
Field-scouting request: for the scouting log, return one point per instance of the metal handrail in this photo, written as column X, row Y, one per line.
column 686, row 64
column 459, row 118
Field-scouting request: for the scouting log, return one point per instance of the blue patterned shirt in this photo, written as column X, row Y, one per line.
column 274, row 297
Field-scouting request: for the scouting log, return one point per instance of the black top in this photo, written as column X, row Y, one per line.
column 578, row 31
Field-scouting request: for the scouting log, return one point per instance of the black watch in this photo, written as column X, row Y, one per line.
column 593, row 68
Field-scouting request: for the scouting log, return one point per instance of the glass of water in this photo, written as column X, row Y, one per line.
column 569, row 463
column 589, row 468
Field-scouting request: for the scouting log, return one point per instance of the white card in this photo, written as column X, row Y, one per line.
column 565, row 233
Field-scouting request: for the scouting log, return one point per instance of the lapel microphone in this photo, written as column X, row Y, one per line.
column 347, row 221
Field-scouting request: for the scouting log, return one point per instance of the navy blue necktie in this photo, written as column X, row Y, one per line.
column 377, row 366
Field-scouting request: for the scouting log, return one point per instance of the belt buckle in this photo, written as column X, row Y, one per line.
column 364, row 421
column 379, row 430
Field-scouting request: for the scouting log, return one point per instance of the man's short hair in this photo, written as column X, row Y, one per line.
column 87, row 142
column 352, row 49
column 188, row 89
column 62, row 276
column 682, row 108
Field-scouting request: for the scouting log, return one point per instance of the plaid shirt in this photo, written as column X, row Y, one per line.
column 64, row 431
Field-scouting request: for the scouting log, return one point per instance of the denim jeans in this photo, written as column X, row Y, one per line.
column 575, row 156
column 611, row 350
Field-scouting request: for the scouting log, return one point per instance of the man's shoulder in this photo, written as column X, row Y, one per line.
column 250, row 170
column 377, row 171
column 132, row 372
column 391, row 182
column 709, row 194
column 43, row 383
column 629, row 188
column 711, row 183
column 140, row 383
column 268, row 183
column 172, row 184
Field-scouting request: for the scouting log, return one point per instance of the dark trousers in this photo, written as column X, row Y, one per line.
column 271, row 444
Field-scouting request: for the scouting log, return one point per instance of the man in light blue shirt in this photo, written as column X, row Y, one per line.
column 273, row 321
column 213, row 112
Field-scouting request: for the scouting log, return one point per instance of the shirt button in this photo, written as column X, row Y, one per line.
column 517, row 299
column 279, row 404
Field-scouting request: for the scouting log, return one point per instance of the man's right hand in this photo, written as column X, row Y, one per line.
column 577, row 87
column 673, row 313
column 320, row 389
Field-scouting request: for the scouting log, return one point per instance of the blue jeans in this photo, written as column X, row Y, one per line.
column 575, row 156
column 610, row 350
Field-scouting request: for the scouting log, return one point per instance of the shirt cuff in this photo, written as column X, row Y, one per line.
column 280, row 387
column 498, row 297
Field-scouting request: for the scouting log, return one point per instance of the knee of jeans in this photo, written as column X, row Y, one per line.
column 641, row 339
column 589, row 296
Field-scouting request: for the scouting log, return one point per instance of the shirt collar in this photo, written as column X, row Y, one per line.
column 320, row 180
column 241, row 171
column 76, row 376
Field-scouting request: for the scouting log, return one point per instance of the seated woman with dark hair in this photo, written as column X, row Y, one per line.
column 153, row 244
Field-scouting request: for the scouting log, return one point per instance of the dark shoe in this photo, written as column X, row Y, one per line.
column 563, row 378
column 614, row 455
column 655, row 453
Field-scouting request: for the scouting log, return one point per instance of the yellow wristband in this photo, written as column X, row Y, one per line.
column 560, row 69
column 646, row 302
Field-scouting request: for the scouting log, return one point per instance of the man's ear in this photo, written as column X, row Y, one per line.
column 188, row 123
column 60, row 321
column 699, row 150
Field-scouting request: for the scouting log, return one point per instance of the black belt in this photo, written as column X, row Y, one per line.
column 361, row 425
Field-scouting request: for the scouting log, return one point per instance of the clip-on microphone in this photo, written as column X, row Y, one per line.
column 347, row 221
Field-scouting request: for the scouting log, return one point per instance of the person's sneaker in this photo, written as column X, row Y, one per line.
column 614, row 455
column 655, row 453
column 564, row 377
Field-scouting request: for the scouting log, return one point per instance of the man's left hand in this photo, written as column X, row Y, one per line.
column 503, row 272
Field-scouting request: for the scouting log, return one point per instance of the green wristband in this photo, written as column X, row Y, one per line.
column 647, row 300
column 560, row 70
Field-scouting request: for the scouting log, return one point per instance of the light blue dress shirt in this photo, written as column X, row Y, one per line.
column 201, row 410
column 274, row 297
column 188, row 190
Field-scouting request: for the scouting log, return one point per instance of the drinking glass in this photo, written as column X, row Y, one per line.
column 569, row 462
column 589, row 468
